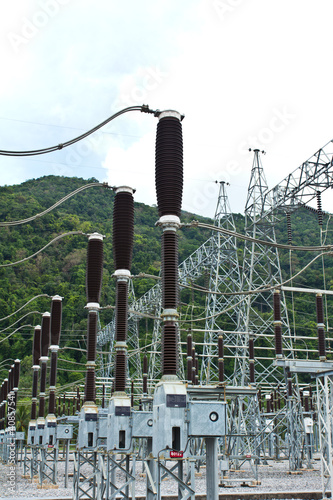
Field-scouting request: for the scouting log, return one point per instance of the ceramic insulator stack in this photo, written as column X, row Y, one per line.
column 56, row 317
column 45, row 342
column 123, row 237
column 94, row 275
column 277, row 324
column 169, row 190
column 320, row 327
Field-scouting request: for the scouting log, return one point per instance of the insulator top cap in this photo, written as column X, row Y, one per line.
column 170, row 113
column 268, row 397
column 95, row 236
column 57, row 297
column 124, row 189
column 93, row 306
column 306, row 393
column 46, row 315
column 17, row 361
column 169, row 220
column 38, row 327
column 122, row 273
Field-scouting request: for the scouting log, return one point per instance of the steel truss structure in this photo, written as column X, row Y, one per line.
column 224, row 279
column 324, row 386
column 238, row 317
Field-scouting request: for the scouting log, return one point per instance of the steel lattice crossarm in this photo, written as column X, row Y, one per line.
column 190, row 269
column 302, row 185
column 150, row 304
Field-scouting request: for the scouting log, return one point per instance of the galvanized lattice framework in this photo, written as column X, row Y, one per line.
column 297, row 189
column 261, row 268
column 324, row 386
column 224, row 278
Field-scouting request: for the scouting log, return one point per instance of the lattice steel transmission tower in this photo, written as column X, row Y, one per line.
column 261, row 269
column 225, row 315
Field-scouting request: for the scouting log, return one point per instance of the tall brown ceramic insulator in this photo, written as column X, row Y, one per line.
column 145, row 375
column 4, row 401
column 16, row 379
column 189, row 359
column 196, row 370
column 94, row 275
column 306, row 395
column 2, row 408
column 251, row 360
column 277, row 324
column 132, row 394
column 320, row 327
column 123, row 236
column 10, row 395
column 169, row 188
column 311, row 399
column 55, row 330
column 221, row 358
column 78, row 399
column 103, row 396
column 1, row 405
column 193, row 364
column 36, row 353
column 45, row 342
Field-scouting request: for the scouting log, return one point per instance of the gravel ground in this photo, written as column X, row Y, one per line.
column 271, row 478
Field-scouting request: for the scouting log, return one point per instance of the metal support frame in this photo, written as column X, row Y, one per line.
column 89, row 475
column 176, row 472
column 324, row 385
column 48, row 464
column 125, row 485
column 30, row 467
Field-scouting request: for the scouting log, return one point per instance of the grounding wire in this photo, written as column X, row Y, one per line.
column 70, row 233
column 33, row 298
column 144, row 108
column 67, row 197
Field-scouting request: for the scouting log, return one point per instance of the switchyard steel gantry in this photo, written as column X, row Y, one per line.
column 218, row 258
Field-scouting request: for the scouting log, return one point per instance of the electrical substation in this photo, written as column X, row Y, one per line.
column 174, row 406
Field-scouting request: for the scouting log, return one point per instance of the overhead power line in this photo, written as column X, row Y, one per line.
column 65, row 198
column 47, row 245
column 222, row 230
column 144, row 109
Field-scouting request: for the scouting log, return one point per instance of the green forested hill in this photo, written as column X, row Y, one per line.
column 61, row 268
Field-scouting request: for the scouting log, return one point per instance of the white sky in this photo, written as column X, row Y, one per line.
column 246, row 73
